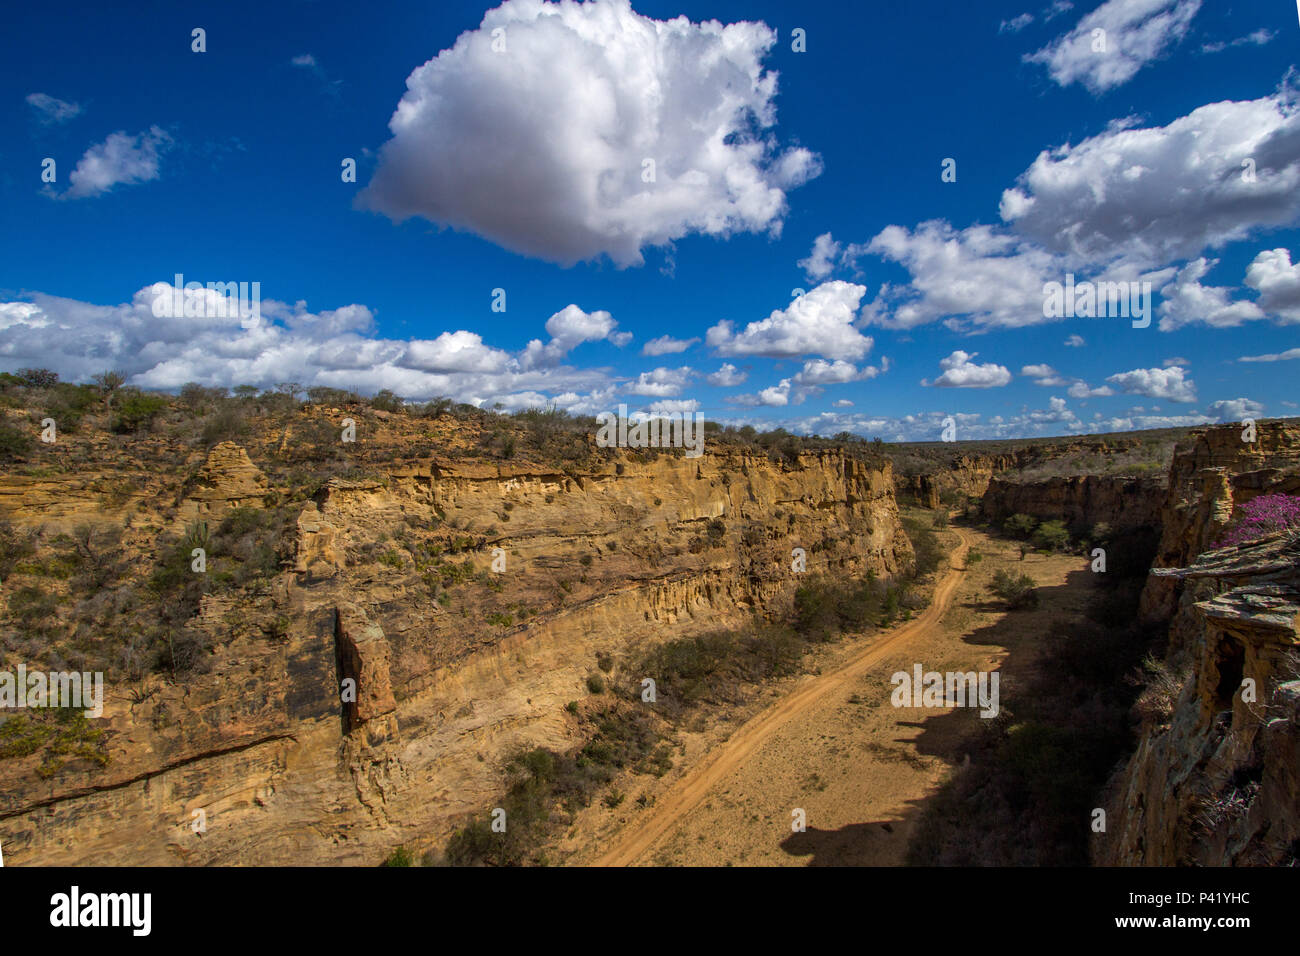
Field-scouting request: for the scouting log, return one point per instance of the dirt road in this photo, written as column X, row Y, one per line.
column 671, row 808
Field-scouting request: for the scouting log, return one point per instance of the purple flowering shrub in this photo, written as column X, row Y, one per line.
column 1262, row 516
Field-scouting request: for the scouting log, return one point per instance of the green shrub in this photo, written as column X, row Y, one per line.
column 1017, row 590
column 1052, row 536
column 134, row 409
column 386, row 401
column 14, row 442
column 400, row 857
column 1020, row 525
column 596, row 684
column 925, row 546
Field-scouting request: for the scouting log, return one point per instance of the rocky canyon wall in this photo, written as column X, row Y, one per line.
column 1081, row 502
column 1215, row 779
column 258, row 760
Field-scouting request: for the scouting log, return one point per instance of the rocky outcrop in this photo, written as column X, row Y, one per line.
column 1217, row 783
column 317, row 549
column 228, row 479
column 1209, row 477
column 1081, row 502
column 967, row 476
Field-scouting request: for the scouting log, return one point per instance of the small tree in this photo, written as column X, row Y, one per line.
column 1020, row 525
column 136, row 409
column 38, row 377
column 1017, row 590
column 108, row 383
column 1052, row 536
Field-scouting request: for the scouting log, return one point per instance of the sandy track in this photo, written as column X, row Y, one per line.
column 695, row 786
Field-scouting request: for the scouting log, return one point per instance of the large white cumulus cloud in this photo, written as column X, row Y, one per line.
column 540, row 145
column 1164, row 193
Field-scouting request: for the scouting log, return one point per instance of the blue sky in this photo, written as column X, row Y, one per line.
column 521, row 168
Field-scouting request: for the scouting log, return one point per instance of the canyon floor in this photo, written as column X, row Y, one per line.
column 830, row 743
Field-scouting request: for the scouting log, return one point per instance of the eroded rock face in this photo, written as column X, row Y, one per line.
column 612, row 560
column 1081, row 502
column 228, row 479
column 968, row 476
column 1208, row 479
column 318, row 552
column 1218, row 784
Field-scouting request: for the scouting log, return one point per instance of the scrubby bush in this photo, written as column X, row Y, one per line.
column 925, row 547
column 37, row 377
column 135, row 409
column 1017, row 590
column 386, row 401
column 1020, row 525
column 14, row 442
column 1051, row 536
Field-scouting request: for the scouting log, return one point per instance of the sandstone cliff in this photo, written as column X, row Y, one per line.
column 356, row 701
column 1215, row 782
column 1215, row 776
column 1081, row 502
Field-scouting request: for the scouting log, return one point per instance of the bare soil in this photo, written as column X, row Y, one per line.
column 831, row 744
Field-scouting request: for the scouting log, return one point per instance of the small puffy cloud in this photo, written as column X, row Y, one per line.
column 776, row 396
column 1075, row 342
column 960, row 372
column 1048, row 377
column 1273, row 357
column 1137, row 32
column 120, row 159
column 454, row 352
column 1167, row 383
column 305, row 60
column 1175, row 360
column 1277, row 281
column 1081, row 389
column 822, row 372
column 818, row 323
column 542, row 138
column 667, row 345
column 1044, row 375
column 842, row 403
column 51, row 110
column 569, row 328
column 1188, row 302
column 669, row 406
column 821, row 261
column 661, row 382
column 727, row 377
column 1235, row 409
